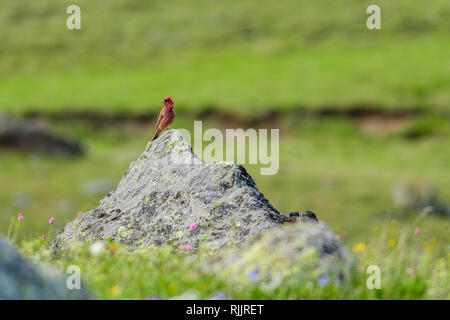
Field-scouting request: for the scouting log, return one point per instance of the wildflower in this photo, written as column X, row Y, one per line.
column 392, row 242
column 152, row 298
column 254, row 275
column 219, row 296
column 323, row 281
column 417, row 231
column 115, row 290
column 193, row 227
column 96, row 248
column 359, row 247
column 186, row 247
column 49, row 231
column 344, row 234
column 44, row 237
column 112, row 248
column 20, row 217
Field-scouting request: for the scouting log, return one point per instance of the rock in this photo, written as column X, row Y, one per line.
column 296, row 252
column 169, row 197
column 412, row 199
column 304, row 216
column 27, row 136
column 168, row 189
column 19, row 279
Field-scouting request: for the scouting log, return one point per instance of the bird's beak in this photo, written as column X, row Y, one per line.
column 162, row 101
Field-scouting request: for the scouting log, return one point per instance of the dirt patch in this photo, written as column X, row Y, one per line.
column 382, row 124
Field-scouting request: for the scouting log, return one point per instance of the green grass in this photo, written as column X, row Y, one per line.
column 342, row 77
column 244, row 57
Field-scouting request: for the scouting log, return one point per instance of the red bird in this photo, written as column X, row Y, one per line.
column 166, row 117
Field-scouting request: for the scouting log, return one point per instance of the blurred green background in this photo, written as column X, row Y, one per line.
column 360, row 111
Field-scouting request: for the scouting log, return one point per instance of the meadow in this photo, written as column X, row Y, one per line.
column 360, row 112
column 243, row 57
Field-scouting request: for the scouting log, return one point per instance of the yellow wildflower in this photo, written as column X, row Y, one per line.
column 359, row 247
column 392, row 242
column 115, row 290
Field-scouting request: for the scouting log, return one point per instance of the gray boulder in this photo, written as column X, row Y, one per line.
column 410, row 200
column 298, row 252
column 165, row 191
column 20, row 279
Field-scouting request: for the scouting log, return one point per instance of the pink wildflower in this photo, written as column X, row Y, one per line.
column 20, row 217
column 193, row 227
column 186, row 247
column 52, row 220
column 417, row 231
column 44, row 237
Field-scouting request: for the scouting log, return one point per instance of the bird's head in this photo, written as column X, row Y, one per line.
column 167, row 101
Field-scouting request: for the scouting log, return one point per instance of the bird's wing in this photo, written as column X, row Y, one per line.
column 161, row 115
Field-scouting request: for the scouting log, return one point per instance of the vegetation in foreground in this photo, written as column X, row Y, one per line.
column 411, row 268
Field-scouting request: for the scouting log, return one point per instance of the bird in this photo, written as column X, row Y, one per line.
column 166, row 116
